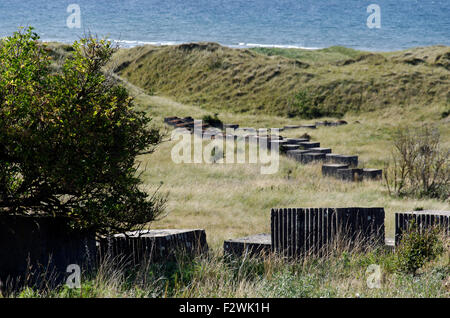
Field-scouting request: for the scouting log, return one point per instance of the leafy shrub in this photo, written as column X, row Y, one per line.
column 306, row 105
column 303, row 106
column 69, row 137
column 213, row 121
column 445, row 113
column 420, row 166
column 417, row 248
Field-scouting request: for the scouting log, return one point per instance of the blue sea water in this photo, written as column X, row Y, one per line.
column 290, row 23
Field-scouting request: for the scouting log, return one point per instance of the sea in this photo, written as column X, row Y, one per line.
column 376, row 25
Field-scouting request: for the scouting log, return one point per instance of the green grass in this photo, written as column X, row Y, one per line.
column 332, row 54
column 343, row 273
column 265, row 81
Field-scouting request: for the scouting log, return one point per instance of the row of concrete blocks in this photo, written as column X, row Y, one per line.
column 36, row 250
column 306, row 231
column 186, row 123
column 207, row 132
column 189, row 123
column 338, row 166
column 289, row 127
column 331, row 123
column 265, row 141
column 317, row 124
column 342, row 167
column 347, row 173
column 262, row 136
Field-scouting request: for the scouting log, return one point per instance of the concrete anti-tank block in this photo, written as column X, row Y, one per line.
column 372, row 174
column 153, row 245
column 321, row 150
column 309, row 144
column 352, row 161
column 253, row 246
column 296, row 154
column 330, row 170
column 352, row 174
column 311, row 157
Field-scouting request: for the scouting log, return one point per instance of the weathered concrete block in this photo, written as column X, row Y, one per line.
column 330, row 170
column 332, row 157
column 169, row 119
column 423, row 220
column 372, row 174
column 277, row 143
column 288, row 127
column 153, row 245
column 276, row 129
column 276, row 137
column 175, row 122
column 230, row 126
column 311, row 157
column 296, row 154
column 185, row 125
column 299, row 231
column 309, row 126
column 289, row 147
column 253, row 246
column 36, row 250
column 351, row 174
column 309, row 144
column 296, row 140
column 321, row 150
column 352, row 161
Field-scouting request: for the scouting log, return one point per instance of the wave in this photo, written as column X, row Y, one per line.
column 241, row 45
column 276, row 46
column 133, row 43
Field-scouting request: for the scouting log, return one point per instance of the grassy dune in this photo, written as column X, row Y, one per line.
column 264, row 81
column 235, row 200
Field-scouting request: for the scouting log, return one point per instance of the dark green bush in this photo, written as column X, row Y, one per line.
column 418, row 248
column 304, row 105
column 213, row 121
column 69, row 137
